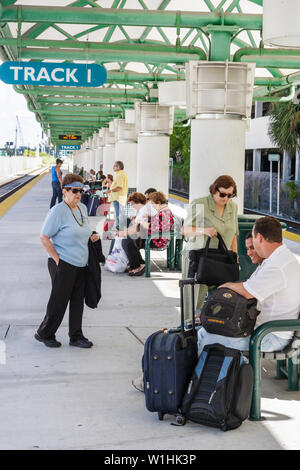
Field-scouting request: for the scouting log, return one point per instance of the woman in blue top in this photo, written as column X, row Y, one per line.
column 65, row 236
column 56, row 180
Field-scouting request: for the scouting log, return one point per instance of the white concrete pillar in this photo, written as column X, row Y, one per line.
column 126, row 152
column 258, row 109
column 217, row 148
column 153, row 163
column 287, row 166
column 256, row 160
column 108, row 159
column 92, row 155
column 98, row 158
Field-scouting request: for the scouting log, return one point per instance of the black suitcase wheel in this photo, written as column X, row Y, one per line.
column 161, row 415
column 180, row 420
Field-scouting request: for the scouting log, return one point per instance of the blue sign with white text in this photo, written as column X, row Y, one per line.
column 53, row 73
column 69, row 147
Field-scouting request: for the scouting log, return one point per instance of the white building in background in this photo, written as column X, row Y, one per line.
column 259, row 144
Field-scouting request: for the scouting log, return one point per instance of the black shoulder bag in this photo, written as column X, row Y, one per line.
column 213, row 266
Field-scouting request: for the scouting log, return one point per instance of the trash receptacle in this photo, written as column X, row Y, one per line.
column 246, row 222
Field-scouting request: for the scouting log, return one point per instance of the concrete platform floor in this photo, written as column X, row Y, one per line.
column 71, row 398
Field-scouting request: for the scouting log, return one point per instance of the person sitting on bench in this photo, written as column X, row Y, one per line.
column 275, row 284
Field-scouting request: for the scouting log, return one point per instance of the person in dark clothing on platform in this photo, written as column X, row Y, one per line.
column 135, row 238
column 56, row 179
column 65, row 236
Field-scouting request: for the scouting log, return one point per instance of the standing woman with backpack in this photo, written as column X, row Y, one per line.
column 56, row 181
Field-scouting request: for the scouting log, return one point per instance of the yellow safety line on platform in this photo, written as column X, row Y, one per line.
column 183, row 199
column 11, row 200
column 291, row 236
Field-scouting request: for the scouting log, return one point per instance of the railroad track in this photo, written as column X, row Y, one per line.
column 7, row 189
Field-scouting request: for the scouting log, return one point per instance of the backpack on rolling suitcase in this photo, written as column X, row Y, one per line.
column 220, row 391
column 168, row 363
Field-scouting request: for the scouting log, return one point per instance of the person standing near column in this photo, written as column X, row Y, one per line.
column 65, row 236
column 206, row 217
column 118, row 195
column 56, row 179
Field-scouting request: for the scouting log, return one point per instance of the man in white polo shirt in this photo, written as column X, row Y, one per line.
column 275, row 284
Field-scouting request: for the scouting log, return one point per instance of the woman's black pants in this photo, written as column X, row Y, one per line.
column 132, row 250
column 68, row 284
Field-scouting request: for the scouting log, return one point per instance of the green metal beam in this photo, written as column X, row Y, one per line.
column 90, row 45
column 111, row 55
column 99, row 101
column 137, row 93
column 80, row 120
column 38, row 29
column 258, row 2
column 73, row 112
column 128, row 17
column 277, row 99
column 147, row 30
column 280, row 58
column 82, row 110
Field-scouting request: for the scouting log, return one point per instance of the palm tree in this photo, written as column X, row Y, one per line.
column 284, row 126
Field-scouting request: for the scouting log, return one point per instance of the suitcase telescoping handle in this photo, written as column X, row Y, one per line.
column 182, row 283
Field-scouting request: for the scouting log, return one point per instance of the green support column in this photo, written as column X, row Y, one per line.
column 220, row 42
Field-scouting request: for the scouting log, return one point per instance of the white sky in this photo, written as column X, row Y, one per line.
column 13, row 104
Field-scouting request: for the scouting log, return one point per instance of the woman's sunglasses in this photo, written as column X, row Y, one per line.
column 222, row 195
column 75, row 191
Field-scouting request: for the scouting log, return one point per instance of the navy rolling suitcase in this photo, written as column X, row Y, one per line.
column 93, row 204
column 85, row 198
column 168, row 363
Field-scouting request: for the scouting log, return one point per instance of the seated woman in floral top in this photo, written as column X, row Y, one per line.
column 163, row 221
column 135, row 235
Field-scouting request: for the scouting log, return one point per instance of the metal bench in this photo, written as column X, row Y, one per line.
column 289, row 355
column 169, row 248
column 173, row 247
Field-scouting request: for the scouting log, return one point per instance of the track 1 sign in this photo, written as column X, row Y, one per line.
column 52, row 73
column 69, row 147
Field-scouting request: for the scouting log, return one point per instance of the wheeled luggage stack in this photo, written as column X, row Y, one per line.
column 214, row 390
column 168, row 363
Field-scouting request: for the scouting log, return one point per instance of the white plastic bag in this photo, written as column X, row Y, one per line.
column 117, row 261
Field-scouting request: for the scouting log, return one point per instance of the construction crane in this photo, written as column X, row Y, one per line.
column 18, row 132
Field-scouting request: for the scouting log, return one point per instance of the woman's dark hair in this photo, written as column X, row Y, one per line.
column 120, row 165
column 58, row 160
column 110, row 177
column 223, row 181
column 137, row 198
column 150, row 190
column 71, row 178
column 158, row 198
column 269, row 228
